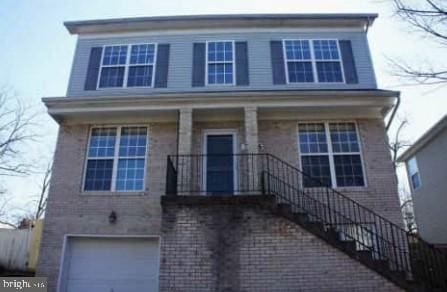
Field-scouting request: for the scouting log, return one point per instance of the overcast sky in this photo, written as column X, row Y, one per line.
column 37, row 52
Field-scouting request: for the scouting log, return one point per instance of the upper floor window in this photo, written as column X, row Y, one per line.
column 330, row 154
column 313, row 61
column 220, row 62
column 119, row 68
column 116, row 159
column 413, row 172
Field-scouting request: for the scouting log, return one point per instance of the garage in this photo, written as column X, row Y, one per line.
column 110, row 265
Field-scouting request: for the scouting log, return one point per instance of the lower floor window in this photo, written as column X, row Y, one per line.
column 330, row 155
column 116, row 159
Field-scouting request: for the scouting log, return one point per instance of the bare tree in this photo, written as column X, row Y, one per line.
column 407, row 210
column 397, row 144
column 15, row 123
column 14, row 216
column 42, row 201
column 5, row 218
column 428, row 17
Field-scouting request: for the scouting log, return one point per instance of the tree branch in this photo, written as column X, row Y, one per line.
column 8, row 224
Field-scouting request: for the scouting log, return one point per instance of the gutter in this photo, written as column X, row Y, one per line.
column 390, row 121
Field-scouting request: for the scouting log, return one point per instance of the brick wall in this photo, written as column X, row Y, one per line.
column 70, row 211
column 234, row 246
column 280, row 139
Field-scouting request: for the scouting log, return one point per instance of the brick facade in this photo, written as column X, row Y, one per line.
column 71, row 211
column 220, row 244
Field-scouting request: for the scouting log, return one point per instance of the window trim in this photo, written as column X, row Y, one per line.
column 127, row 65
column 410, row 176
column 233, row 44
column 330, row 152
column 115, row 158
column 313, row 61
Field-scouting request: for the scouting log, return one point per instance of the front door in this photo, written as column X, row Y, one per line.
column 219, row 164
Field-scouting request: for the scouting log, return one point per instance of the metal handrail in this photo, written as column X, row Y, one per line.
column 267, row 174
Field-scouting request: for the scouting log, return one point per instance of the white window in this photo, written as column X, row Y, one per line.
column 220, row 62
column 116, row 159
column 313, row 61
column 413, row 172
column 330, row 154
column 119, row 68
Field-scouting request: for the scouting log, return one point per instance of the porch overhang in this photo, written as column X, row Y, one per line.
column 166, row 105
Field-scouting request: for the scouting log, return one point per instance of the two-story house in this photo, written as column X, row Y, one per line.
column 225, row 153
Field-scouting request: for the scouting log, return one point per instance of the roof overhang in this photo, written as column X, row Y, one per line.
column 65, row 108
column 428, row 136
column 219, row 22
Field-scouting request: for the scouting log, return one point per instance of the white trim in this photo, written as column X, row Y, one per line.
column 233, row 62
column 127, row 66
column 116, row 158
column 312, row 60
column 211, row 132
column 330, row 154
column 65, row 249
column 195, row 31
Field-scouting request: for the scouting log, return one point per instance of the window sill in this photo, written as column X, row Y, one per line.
column 115, row 193
column 351, row 189
column 123, row 88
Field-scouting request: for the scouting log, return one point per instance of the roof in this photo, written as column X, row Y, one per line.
column 428, row 136
column 220, row 21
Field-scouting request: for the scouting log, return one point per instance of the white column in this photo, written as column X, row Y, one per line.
column 252, row 146
column 185, row 131
column 251, row 129
column 184, row 163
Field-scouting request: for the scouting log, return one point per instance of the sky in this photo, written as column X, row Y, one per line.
column 37, row 52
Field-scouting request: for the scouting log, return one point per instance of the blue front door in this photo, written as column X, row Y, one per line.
column 219, row 165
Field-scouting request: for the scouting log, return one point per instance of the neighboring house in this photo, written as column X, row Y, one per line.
column 426, row 164
column 278, row 176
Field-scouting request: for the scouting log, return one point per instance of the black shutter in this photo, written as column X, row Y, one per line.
column 161, row 69
column 242, row 77
column 94, row 63
column 198, row 65
column 348, row 62
column 278, row 70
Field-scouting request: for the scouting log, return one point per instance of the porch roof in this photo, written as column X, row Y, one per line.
column 381, row 101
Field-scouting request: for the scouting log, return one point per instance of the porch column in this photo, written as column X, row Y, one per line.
column 252, row 147
column 251, row 129
column 184, row 163
column 185, row 131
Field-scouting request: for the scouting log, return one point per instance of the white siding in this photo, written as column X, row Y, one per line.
column 260, row 71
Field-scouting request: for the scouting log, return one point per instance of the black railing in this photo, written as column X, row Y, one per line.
column 213, row 174
column 267, row 174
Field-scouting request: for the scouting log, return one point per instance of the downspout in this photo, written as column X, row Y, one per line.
column 177, row 130
column 390, row 121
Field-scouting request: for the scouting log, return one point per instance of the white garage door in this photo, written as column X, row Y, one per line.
column 111, row 265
